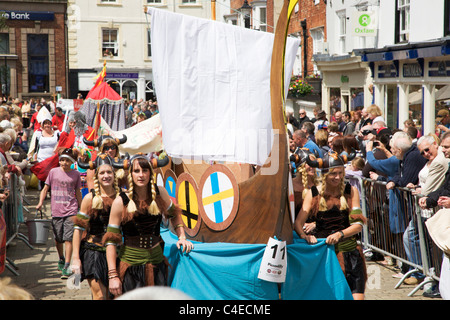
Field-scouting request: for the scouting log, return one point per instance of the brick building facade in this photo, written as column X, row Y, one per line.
column 33, row 48
column 310, row 16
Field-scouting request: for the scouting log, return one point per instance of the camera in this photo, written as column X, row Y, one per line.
column 376, row 144
column 366, row 132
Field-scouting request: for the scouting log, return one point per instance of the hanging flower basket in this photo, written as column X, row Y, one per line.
column 299, row 87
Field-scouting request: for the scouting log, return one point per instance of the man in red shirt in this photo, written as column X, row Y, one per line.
column 58, row 119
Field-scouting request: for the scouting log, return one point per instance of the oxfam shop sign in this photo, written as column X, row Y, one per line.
column 364, row 24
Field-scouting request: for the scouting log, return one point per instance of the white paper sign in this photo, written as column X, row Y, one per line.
column 274, row 262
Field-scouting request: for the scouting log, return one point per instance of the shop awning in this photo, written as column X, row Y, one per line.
column 435, row 48
column 443, row 93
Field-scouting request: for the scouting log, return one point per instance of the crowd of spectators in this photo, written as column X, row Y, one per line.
column 397, row 157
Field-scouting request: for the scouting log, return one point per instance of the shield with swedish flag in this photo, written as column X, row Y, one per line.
column 219, row 197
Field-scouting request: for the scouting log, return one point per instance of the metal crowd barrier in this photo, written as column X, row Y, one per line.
column 12, row 213
column 396, row 228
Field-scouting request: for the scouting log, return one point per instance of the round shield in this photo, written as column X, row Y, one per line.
column 159, row 177
column 219, row 193
column 170, row 184
column 187, row 199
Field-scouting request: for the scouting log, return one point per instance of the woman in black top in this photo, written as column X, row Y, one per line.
column 89, row 255
column 335, row 208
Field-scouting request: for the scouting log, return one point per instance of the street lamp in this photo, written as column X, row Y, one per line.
column 246, row 10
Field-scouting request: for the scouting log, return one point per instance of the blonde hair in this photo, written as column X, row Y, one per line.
column 358, row 163
column 323, row 203
column 374, row 110
column 302, row 171
column 97, row 201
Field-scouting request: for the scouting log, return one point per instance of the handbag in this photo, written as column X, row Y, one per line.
column 439, row 229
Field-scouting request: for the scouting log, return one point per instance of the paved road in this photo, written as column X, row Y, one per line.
column 39, row 275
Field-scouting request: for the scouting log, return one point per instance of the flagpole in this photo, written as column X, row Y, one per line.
column 213, row 9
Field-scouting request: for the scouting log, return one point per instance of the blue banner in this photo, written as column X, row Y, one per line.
column 228, row 271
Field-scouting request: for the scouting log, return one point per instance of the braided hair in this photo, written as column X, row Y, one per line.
column 153, row 208
column 302, row 171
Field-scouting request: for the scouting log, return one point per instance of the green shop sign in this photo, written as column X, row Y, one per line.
column 364, row 23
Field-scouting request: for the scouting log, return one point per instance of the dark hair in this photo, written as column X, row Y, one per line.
column 350, row 143
column 385, row 139
column 412, row 132
column 338, row 144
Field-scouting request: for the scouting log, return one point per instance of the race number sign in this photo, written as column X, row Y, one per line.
column 274, row 262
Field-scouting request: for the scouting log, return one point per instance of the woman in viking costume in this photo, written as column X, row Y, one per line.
column 89, row 254
column 110, row 146
column 335, row 207
column 136, row 216
column 306, row 176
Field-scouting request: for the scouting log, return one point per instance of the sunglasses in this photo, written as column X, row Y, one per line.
column 425, row 150
column 106, row 148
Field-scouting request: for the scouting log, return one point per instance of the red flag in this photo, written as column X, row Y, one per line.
column 41, row 169
column 66, row 140
column 101, row 76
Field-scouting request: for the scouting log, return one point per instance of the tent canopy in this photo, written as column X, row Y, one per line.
column 112, row 107
column 103, row 92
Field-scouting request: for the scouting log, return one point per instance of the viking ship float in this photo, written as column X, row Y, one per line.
column 237, row 203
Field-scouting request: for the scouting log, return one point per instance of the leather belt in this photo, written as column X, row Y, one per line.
column 142, row 242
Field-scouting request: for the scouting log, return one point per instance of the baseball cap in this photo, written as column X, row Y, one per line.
column 442, row 113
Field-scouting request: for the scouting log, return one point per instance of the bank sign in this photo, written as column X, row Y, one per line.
column 364, row 23
column 28, row 15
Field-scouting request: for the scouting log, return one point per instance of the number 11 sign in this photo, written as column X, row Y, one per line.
column 274, row 262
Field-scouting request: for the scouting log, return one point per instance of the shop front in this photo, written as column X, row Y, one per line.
column 346, row 82
column 33, row 49
column 132, row 85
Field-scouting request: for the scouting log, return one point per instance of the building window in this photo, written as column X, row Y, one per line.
column 154, row 1
column 108, row 1
column 4, row 43
column 402, row 20
column 262, row 19
column 110, row 45
column 317, row 36
column 38, row 66
column 342, row 31
column 189, row 1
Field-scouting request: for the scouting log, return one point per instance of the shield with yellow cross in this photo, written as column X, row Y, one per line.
column 219, row 193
